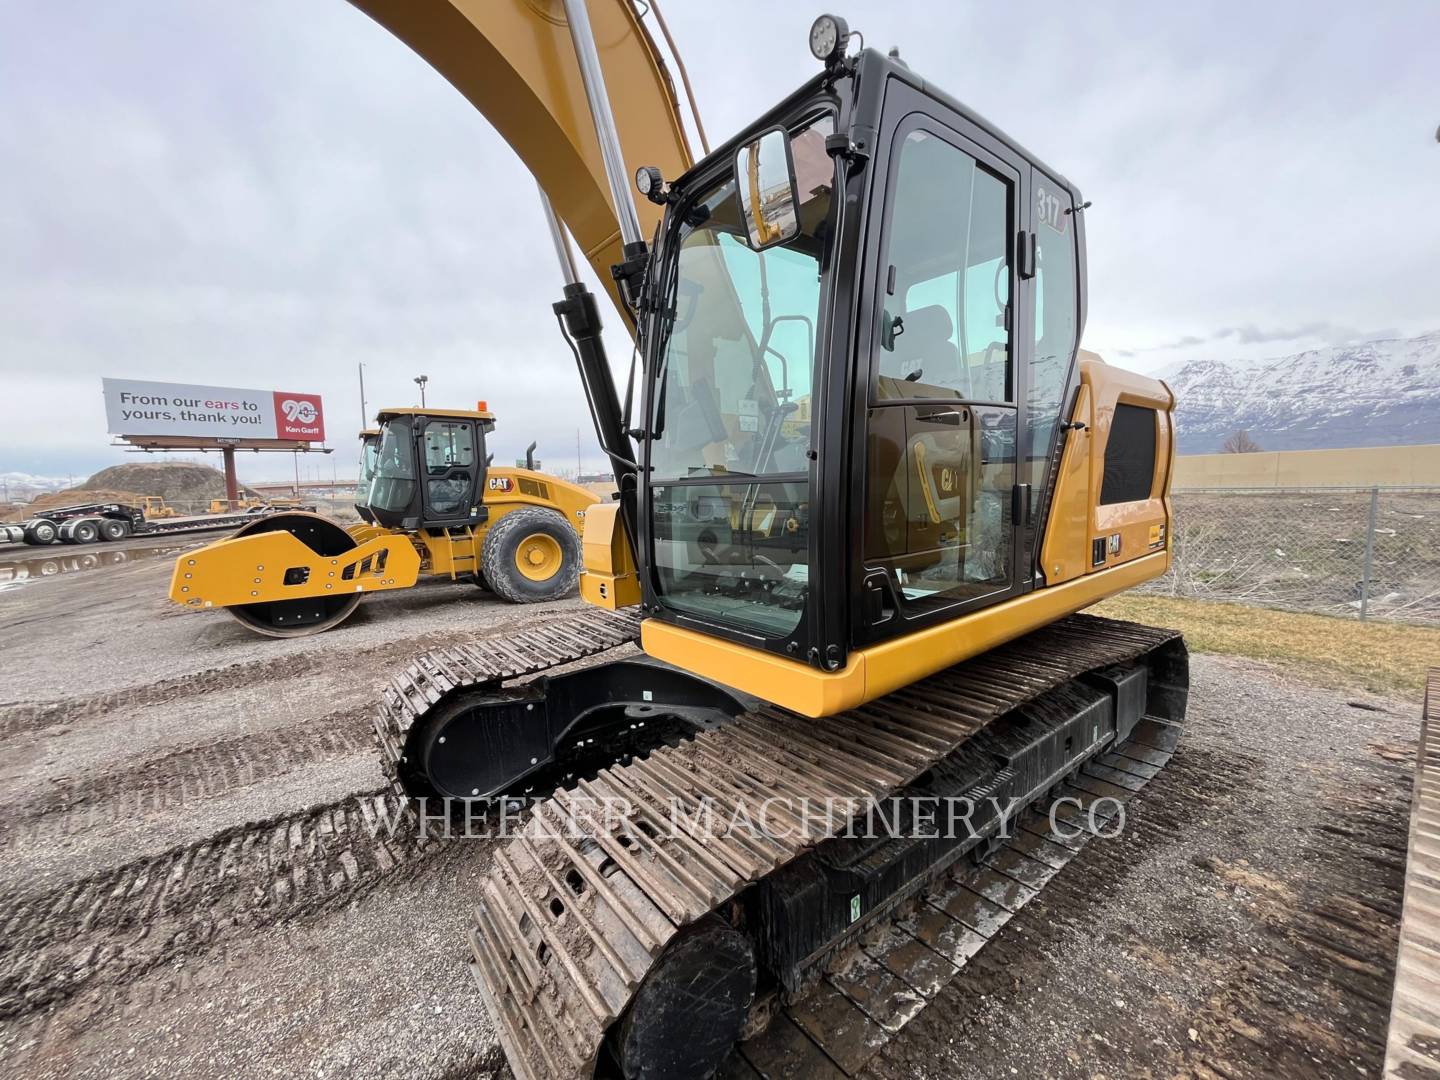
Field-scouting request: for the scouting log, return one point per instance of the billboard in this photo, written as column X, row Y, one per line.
column 211, row 412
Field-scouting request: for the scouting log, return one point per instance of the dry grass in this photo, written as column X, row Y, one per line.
column 1380, row 656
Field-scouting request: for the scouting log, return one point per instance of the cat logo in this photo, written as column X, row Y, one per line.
column 947, row 480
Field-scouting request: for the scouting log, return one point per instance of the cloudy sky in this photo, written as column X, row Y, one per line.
column 270, row 193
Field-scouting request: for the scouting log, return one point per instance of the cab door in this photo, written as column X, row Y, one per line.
column 449, row 472
column 940, row 373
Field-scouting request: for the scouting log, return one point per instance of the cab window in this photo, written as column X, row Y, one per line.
column 944, row 331
column 940, row 444
column 1057, row 319
column 449, row 455
column 448, row 446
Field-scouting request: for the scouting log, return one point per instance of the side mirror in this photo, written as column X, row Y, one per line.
column 765, row 179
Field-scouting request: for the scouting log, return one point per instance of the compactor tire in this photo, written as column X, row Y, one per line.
column 114, row 529
column 531, row 555
column 322, row 536
column 41, row 531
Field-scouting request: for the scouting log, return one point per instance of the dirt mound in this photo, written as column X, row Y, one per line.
column 186, row 488
column 173, row 481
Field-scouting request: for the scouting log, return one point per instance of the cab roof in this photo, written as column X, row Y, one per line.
column 448, row 414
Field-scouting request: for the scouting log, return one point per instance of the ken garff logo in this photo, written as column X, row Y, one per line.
column 302, row 411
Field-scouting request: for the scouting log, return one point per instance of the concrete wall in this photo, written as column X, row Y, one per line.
column 1361, row 467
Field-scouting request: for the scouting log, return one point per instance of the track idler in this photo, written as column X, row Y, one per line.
column 691, row 1008
column 485, row 742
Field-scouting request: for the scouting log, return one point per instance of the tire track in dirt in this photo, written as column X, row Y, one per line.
column 1308, row 994
column 185, row 777
column 117, row 925
column 1338, row 925
column 24, row 717
column 1040, row 938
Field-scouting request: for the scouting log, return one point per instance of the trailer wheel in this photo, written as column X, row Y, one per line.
column 80, row 531
column 41, row 531
column 114, row 529
column 531, row 555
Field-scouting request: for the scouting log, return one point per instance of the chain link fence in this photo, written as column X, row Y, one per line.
column 1363, row 553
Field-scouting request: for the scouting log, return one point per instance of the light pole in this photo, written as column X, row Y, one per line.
column 420, row 381
column 364, row 412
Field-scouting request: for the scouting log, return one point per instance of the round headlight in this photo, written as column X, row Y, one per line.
column 647, row 180
column 828, row 37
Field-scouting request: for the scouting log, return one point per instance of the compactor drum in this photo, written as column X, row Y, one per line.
column 429, row 505
column 867, row 479
column 297, row 617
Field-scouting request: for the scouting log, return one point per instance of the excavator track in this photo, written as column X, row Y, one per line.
column 1413, row 1042
column 897, row 968
column 438, row 675
column 578, row 907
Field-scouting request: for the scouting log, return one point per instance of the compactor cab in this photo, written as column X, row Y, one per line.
column 427, row 469
column 369, row 453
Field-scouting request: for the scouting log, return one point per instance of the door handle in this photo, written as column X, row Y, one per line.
column 1020, row 505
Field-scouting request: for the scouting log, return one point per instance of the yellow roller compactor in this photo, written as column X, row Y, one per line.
column 866, row 480
column 429, row 502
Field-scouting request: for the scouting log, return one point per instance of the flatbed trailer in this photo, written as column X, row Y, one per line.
column 90, row 523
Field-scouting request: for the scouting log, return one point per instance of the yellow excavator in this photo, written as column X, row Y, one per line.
column 430, row 503
column 866, row 479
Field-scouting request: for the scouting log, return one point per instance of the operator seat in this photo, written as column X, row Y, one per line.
column 923, row 347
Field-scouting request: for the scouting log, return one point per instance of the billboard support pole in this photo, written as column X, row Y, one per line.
column 232, row 485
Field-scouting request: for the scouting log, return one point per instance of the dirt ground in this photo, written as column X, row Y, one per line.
column 188, row 885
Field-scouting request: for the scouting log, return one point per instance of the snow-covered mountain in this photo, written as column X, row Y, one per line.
column 19, row 487
column 1381, row 393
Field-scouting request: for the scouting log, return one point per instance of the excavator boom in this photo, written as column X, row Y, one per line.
column 515, row 61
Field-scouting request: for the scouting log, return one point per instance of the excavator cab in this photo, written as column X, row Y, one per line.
column 848, row 414
column 428, row 469
column 859, row 328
